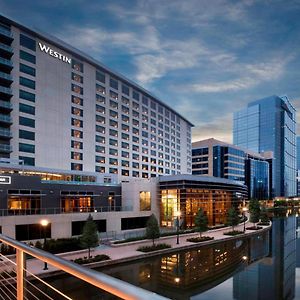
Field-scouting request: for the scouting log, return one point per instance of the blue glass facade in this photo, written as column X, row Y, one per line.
column 269, row 124
column 257, row 178
column 298, row 165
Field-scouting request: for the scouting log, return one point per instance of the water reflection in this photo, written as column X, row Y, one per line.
column 188, row 273
column 273, row 277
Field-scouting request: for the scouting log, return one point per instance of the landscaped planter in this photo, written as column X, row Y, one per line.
column 233, row 233
column 200, row 239
column 153, row 247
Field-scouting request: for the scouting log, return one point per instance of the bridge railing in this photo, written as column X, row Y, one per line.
column 107, row 283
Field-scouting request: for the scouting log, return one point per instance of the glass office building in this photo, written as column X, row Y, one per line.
column 218, row 159
column 298, row 165
column 269, row 124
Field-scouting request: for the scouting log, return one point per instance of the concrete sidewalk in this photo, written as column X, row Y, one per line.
column 122, row 252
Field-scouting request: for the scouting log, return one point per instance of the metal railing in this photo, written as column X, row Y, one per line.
column 59, row 210
column 6, row 47
column 102, row 281
column 5, row 75
column 5, row 118
column 6, row 32
column 5, row 104
column 5, row 132
column 6, row 62
column 5, row 148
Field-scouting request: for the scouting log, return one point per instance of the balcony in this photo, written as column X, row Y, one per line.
column 6, row 35
column 5, row 148
column 5, row 92
column 5, row 106
column 5, row 134
column 6, row 50
column 6, row 64
column 5, row 78
column 5, row 120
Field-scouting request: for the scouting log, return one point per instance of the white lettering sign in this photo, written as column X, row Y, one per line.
column 54, row 53
column 5, row 180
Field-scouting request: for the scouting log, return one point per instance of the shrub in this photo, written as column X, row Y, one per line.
column 254, row 228
column 200, row 239
column 263, row 223
column 85, row 260
column 152, row 229
column 62, row 245
column 7, row 250
column 153, row 247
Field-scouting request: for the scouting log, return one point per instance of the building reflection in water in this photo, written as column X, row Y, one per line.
column 273, row 277
column 187, row 273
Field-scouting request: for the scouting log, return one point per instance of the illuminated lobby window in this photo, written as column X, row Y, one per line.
column 145, row 201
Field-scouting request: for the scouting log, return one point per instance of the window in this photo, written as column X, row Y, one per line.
column 77, row 123
column 100, row 169
column 125, row 163
column 160, row 109
column 113, row 104
column 125, row 119
column 135, row 139
column 77, row 65
column 125, row 173
column 125, row 136
column 100, row 159
column 100, row 119
column 100, row 129
column 76, row 145
column 27, row 122
column 135, row 105
column 27, row 70
column 113, row 113
column 135, row 114
column 100, row 99
column 145, row 100
column 135, row 95
column 135, row 131
column 113, row 142
column 113, row 83
column 76, row 155
column 113, row 123
column 75, row 166
column 125, row 101
column 100, row 89
column 125, row 89
column 125, row 145
column 77, row 78
column 113, row 132
column 26, row 148
column 77, row 111
column 27, row 42
column 135, row 174
column 125, row 109
column 100, row 76
column 27, row 135
column 135, row 148
column 26, row 96
column 76, row 133
column 135, row 156
column 77, row 100
column 113, row 171
column 100, row 149
column 77, row 89
column 125, row 154
column 100, row 109
column 125, row 127
column 153, row 105
column 145, row 201
column 115, row 153
column 135, row 165
column 28, row 161
column 27, row 82
column 28, row 109
column 100, row 139
column 27, row 56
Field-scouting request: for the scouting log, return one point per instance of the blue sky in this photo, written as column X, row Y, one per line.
column 204, row 58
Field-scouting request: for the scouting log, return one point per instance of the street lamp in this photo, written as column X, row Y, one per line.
column 44, row 224
column 245, row 209
column 177, row 215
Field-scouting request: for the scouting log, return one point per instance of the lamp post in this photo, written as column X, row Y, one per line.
column 177, row 214
column 44, row 224
column 245, row 209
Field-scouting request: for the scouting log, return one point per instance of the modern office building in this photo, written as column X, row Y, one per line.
column 298, row 165
column 269, row 124
column 63, row 110
column 212, row 157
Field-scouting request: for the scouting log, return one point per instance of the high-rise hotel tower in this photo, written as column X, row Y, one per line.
column 63, row 110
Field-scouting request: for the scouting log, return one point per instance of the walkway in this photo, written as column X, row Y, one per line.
column 126, row 251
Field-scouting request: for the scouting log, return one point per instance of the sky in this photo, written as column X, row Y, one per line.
column 206, row 59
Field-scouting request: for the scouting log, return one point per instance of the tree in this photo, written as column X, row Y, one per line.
column 89, row 237
column 152, row 229
column 232, row 217
column 201, row 222
column 264, row 215
column 254, row 209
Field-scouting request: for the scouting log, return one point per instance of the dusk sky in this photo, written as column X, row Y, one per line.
column 206, row 59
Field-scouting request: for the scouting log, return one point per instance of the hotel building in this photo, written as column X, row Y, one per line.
column 74, row 135
column 212, row 157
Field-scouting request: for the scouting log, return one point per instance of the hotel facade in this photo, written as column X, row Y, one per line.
column 77, row 138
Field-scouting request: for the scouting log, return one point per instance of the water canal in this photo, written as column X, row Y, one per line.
column 266, row 266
